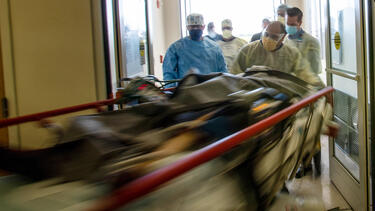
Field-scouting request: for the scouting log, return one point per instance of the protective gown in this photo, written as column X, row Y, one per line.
column 186, row 54
column 230, row 49
column 309, row 47
column 286, row 59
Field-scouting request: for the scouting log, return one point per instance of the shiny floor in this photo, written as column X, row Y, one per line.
column 320, row 187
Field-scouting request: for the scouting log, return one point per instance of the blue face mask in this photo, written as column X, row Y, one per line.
column 292, row 30
column 196, row 34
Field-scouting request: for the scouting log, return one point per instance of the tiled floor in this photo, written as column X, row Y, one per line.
column 320, row 187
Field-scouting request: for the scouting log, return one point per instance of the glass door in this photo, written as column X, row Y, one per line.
column 133, row 38
column 346, row 73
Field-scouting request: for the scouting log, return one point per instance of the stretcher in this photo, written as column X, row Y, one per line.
column 236, row 149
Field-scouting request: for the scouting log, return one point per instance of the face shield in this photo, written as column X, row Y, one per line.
column 271, row 41
column 275, row 37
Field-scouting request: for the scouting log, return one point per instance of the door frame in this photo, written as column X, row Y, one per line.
column 356, row 194
column 123, row 72
column 4, row 140
column 370, row 62
column 9, row 71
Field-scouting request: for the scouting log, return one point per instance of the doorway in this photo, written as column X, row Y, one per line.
column 246, row 15
column 346, row 73
column 127, row 40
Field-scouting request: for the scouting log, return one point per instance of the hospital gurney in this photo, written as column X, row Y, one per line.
column 251, row 157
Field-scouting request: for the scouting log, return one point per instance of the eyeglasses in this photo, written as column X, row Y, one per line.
column 276, row 37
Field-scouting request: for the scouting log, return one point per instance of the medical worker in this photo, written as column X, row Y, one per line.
column 230, row 45
column 212, row 35
column 281, row 12
column 310, row 50
column 270, row 51
column 308, row 45
column 193, row 52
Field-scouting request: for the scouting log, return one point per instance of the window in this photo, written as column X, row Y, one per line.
column 246, row 15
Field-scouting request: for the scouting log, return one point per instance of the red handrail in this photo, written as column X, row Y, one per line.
column 46, row 114
column 169, row 89
column 150, row 182
column 61, row 111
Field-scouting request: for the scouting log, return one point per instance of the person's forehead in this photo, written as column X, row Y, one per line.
column 195, row 26
column 292, row 18
column 274, row 29
column 281, row 13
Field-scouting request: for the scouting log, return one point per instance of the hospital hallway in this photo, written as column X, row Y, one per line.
column 186, row 105
column 321, row 186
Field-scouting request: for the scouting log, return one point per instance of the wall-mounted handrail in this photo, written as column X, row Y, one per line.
column 150, row 182
column 52, row 113
column 61, row 111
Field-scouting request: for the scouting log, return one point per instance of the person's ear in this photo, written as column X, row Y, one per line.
column 203, row 27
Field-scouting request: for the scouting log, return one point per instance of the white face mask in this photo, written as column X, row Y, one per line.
column 227, row 34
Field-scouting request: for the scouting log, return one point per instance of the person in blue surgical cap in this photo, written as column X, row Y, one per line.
column 193, row 52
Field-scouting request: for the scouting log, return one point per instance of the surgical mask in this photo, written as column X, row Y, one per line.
column 227, row 34
column 291, row 30
column 281, row 19
column 195, row 34
column 269, row 44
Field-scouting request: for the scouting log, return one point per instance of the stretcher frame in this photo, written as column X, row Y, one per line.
column 153, row 180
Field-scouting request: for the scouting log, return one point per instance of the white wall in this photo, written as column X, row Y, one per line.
column 171, row 17
column 156, row 27
column 53, row 59
column 165, row 29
